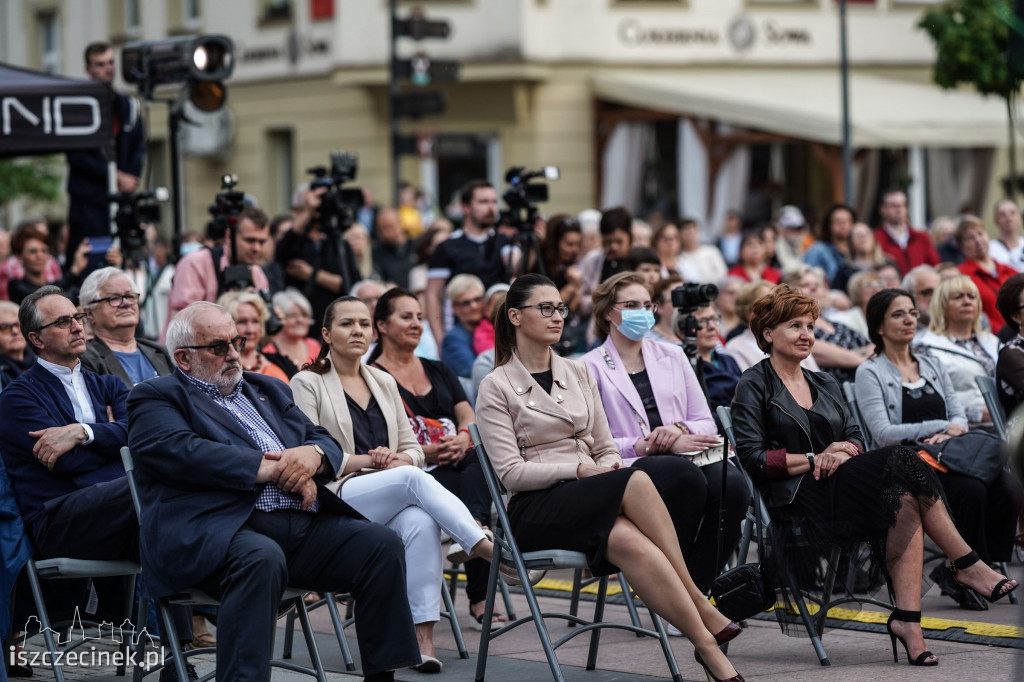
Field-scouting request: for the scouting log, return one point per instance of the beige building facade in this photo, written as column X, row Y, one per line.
column 700, row 104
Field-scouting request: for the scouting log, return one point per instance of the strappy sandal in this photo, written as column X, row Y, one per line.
column 969, row 560
column 908, row 617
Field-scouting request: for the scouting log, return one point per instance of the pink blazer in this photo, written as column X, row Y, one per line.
column 675, row 386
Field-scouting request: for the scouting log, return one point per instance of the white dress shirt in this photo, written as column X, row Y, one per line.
column 74, row 383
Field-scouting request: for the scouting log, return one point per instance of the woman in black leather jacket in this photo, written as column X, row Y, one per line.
column 799, row 442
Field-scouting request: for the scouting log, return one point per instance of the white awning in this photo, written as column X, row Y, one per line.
column 805, row 104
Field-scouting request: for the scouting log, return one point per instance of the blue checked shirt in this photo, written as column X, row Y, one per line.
column 245, row 413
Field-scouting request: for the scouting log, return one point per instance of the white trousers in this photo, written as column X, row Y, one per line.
column 412, row 503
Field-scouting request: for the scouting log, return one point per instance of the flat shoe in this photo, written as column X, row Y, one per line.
column 203, row 640
column 428, row 664
column 457, row 555
column 511, row 575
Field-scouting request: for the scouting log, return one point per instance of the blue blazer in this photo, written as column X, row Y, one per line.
column 37, row 400
column 196, row 472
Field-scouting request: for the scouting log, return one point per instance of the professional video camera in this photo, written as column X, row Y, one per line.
column 522, row 196
column 225, row 210
column 338, row 205
column 133, row 212
column 687, row 298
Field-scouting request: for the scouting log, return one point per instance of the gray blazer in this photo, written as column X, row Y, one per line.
column 100, row 359
column 879, row 388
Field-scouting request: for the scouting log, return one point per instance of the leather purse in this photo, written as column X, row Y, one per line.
column 976, row 453
column 742, row 592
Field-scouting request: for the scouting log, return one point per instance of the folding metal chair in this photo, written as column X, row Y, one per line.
column 579, row 582
column 851, row 399
column 546, row 559
column 987, row 386
column 813, row 624
column 294, row 598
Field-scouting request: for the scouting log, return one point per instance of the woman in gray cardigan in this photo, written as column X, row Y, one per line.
column 903, row 396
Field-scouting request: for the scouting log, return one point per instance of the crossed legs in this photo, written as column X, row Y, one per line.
column 644, row 545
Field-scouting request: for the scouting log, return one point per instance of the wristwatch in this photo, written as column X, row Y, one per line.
column 810, row 460
column 325, row 464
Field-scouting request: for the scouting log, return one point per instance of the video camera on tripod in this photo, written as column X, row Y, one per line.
column 225, row 212
column 338, row 205
column 134, row 210
column 522, row 196
column 687, row 298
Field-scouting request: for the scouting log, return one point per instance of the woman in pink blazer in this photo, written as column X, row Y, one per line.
column 656, row 406
column 541, row 421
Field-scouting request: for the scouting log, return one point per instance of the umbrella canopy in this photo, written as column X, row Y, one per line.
column 44, row 114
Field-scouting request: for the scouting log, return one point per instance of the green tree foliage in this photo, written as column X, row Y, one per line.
column 971, row 40
column 29, row 178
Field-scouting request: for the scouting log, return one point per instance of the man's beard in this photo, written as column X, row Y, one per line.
column 225, row 384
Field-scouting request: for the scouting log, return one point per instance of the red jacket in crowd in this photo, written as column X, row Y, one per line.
column 920, row 249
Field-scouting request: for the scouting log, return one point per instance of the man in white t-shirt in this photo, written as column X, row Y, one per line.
column 1008, row 247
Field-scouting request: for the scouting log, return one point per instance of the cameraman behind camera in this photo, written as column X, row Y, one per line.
column 316, row 262
column 197, row 278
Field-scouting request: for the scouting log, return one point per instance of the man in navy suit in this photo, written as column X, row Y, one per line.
column 63, row 433
column 226, row 465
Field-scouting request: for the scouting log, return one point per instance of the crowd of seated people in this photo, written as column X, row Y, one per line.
column 388, row 398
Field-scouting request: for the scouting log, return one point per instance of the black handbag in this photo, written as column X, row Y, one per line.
column 976, row 453
column 743, row 591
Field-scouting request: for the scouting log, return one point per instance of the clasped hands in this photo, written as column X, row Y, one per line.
column 671, row 439
column 826, row 463
column 56, row 441
column 449, row 450
column 292, row 471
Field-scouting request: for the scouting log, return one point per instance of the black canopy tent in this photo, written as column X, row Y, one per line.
column 44, row 114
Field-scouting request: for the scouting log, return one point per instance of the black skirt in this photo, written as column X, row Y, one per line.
column 573, row 515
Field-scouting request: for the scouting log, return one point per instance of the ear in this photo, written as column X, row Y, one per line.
column 514, row 316
column 326, row 334
column 767, row 334
column 183, row 358
column 37, row 343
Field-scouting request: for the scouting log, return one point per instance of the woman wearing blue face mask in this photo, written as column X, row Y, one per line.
column 656, row 406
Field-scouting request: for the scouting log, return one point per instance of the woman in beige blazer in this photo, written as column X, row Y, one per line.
column 545, row 432
column 380, row 476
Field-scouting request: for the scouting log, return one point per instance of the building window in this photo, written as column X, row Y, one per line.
column 280, row 165
column 191, row 12
column 275, row 11
column 132, row 20
column 49, row 42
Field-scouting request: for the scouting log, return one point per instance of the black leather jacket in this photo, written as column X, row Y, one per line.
column 767, row 417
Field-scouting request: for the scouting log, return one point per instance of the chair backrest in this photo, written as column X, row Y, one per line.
column 503, row 528
column 851, row 399
column 129, row 470
column 725, row 417
column 987, row 386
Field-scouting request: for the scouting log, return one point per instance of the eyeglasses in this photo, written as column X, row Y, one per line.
column 915, row 393
column 637, row 305
column 64, row 321
column 118, row 300
column 220, row 348
column 297, row 317
column 548, row 309
column 901, row 315
column 704, row 322
column 472, row 301
column 10, row 327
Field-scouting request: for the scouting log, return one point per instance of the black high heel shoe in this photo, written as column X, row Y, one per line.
column 969, row 560
column 711, row 676
column 907, row 617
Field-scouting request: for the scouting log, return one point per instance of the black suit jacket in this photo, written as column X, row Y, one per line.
column 100, row 359
column 196, row 470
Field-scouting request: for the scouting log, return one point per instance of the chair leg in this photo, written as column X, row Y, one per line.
column 828, row 587
column 510, row 610
column 634, row 617
column 289, row 635
column 170, row 634
column 339, row 631
column 307, row 631
column 574, row 598
column 449, row 613
column 44, row 619
column 595, row 634
column 809, row 623
column 485, row 633
column 538, row 620
column 129, row 602
column 666, row 647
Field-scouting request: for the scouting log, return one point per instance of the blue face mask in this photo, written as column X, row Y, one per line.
column 636, row 323
column 189, row 247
